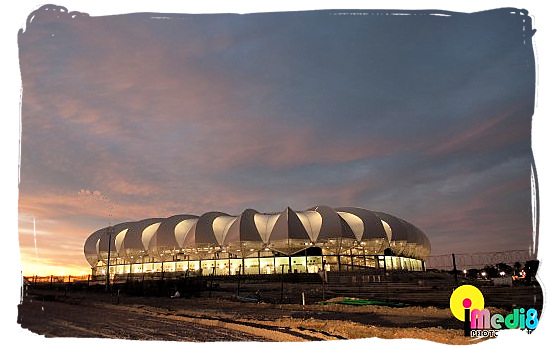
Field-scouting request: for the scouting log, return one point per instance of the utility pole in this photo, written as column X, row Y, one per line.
column 101, row 198
column 107, row 279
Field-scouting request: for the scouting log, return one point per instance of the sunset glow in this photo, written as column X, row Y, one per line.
column 127, row 117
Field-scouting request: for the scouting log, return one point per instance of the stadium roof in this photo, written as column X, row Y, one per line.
column 287, row 232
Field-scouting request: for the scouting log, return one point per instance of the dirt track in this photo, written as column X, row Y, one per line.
column 54, row 318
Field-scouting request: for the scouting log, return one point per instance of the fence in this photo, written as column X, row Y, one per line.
column 437, row 262
column 57, row 279
column 478, row 260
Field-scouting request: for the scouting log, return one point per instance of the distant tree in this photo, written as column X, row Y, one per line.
column 472, row 273
column 502, row 267
column 492, row 271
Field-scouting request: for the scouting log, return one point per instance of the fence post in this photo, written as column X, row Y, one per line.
column 211, row 281
column 454, row 269
column 282, row 282
column 323, row 281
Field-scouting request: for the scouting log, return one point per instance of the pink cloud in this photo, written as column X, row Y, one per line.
column 486, row 135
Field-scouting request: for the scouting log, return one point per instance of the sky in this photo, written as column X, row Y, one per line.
column 125, row 117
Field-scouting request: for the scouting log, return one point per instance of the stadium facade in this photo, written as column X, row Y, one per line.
column 319, row 238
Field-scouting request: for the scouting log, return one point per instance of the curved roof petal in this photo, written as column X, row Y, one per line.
column 167, row 233
column 132, row 244
column 287, row 232
column 373, row 227
column 333, row 226
column 182, row 229
column 203, row 233
column 264, row 224
column 90, row 246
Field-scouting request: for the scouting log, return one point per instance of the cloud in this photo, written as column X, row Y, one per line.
column 201, row 113
column 486, row 135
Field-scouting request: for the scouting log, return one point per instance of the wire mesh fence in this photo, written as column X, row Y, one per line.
column 478, row 260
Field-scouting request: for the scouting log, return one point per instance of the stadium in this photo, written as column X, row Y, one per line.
column 216, row 243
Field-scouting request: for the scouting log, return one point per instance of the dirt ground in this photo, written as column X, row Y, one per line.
column 203, row 319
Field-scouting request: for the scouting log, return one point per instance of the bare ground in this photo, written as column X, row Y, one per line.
column 88, row 314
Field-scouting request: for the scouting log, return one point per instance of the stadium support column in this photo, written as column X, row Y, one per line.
column 142, row 271
column 239, row 280
column 305, row 251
